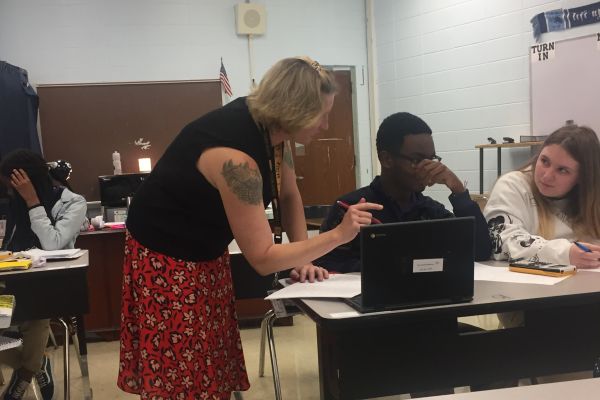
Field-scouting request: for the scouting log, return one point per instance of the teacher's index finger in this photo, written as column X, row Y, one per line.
column 368, row 206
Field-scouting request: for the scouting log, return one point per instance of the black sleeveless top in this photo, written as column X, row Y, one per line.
column 176, row 211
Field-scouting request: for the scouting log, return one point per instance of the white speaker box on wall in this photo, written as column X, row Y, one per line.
column 250, row 19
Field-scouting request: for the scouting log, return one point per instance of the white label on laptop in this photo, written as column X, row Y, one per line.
column 428, row 265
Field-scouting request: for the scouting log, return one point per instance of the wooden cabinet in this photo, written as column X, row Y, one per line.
column 105, row 277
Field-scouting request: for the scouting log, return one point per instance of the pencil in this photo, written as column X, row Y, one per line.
column 346, row 206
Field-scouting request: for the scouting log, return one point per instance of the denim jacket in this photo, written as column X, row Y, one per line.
column 69, row 216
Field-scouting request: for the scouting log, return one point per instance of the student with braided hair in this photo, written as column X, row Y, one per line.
column 48, row 216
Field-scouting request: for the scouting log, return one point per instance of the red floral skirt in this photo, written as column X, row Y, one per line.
column 179, row 333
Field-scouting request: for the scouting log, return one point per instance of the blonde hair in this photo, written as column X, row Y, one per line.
column 290, row 95
column 583, row 207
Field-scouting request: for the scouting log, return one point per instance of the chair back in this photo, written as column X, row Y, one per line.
column 316, row 211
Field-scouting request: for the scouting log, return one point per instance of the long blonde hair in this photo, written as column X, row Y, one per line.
column 583, row 207
column 289, row 97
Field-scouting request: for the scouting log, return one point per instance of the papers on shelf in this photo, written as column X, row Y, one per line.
column 502, row 274
column 338, row 285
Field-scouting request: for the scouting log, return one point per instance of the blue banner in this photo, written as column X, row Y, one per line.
column 565, row 18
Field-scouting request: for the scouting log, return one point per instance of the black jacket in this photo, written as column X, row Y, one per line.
column 346, row 258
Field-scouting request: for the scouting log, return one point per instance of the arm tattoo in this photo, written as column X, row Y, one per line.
column 244, row 181
column 288, row 159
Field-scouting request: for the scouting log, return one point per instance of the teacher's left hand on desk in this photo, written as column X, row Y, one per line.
column 310, row 272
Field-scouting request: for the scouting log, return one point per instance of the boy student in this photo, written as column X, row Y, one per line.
column 408, row 165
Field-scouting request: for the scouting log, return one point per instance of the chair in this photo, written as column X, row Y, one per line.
column 282, row 309
column 314, row 215
column 480, row 199
column 71, row 328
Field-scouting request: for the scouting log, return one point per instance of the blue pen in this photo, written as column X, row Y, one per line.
column 583, row 247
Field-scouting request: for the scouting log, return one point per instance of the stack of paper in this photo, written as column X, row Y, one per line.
column 64, row 254
column 338, row 285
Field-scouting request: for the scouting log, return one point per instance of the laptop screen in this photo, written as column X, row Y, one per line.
column 420, row 261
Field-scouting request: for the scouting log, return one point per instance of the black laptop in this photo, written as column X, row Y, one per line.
column 416, row 264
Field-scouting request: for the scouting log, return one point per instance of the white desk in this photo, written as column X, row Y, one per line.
column 404, row 351
column 584, row 389
column 57, row 290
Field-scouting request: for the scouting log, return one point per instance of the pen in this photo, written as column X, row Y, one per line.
column 345, row 206
column 583, row 247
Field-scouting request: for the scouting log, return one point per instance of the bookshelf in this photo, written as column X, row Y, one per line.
column 499, row 147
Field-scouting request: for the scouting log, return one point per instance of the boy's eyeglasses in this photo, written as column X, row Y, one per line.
column 416, row 160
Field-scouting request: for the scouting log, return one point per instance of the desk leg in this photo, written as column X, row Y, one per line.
column 67, row 388
column 80, row 344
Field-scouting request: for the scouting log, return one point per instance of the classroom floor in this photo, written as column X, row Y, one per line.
column 297, row 355
column 296, row 350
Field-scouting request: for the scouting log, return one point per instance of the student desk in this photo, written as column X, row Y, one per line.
column 583, row 389
column 57, row 290
column 403, row 351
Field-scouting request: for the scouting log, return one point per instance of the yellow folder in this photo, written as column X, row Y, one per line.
column 15, row 264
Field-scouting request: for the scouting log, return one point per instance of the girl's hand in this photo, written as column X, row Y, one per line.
column 21, row 183
column 584, row 259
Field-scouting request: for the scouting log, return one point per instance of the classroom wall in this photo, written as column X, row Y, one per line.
column 462, row 65
column 73, row 41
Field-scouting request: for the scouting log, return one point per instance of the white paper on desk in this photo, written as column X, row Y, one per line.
column 502, row 274
column 589, row 269
column 53, row 254
column 338, row 285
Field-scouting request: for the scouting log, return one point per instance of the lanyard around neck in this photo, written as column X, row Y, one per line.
column 275, row 155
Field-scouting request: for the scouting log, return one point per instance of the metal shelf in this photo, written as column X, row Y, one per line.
column 498, row 146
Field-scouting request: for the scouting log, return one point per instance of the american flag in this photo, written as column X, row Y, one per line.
column 225, row 81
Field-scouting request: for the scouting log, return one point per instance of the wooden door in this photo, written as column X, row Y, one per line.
column 325, row 168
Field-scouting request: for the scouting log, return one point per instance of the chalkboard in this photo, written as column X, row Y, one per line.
column 85, row 123
column 565, row 84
